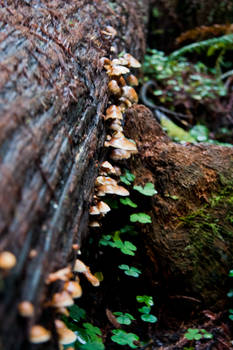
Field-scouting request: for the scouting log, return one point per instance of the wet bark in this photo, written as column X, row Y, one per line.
column 53, row 93
column 190, row 241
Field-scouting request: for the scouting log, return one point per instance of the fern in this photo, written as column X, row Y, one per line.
column 223, row 42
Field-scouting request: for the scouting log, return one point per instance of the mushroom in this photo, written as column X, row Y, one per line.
column 132, row 80
column 117, row 170
column 114, row 88
column 100, row 208
column 109, row 31
column 119, row 154
column 121, row 81
column 65, row 335
column 126, row 103
column 62, row 274
column 7, row 260
column 62, row 299
column 26, row 309
column 79, row 266
column 118, row 140
column 39, row 334
column 119, row 61
column 113, row 112
column 94, row 224
column 105, row 180
column 132, row 62
column 73, row 288
column 94, row 210
column 105, row 61
column 63, row 311
column 107, row 167
column 91, row 278
column 112, row 189
column 116, row 126
column 117, row 70
column 130, row 94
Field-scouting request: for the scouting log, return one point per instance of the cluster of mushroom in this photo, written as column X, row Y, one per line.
column 60, row 301
column 121, row 147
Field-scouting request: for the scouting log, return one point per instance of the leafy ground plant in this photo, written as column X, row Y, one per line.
column 130, row 270
column 125, row 247
column 124, row 318
column 140, row 217
column 123, row 338
column 146, row 309
column 197, row 334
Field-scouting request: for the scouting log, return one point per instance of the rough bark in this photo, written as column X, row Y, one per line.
column 191, row 238
column 53, row 92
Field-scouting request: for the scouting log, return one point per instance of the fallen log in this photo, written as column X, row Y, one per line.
column 190, row 240
column 53, row 94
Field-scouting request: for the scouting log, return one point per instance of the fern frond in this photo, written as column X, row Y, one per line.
column 223, row 42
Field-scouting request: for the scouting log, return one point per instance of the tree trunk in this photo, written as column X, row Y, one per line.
column 190, row 241
column 53, row 93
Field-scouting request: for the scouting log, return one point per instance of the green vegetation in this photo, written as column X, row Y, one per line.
column 197, row 334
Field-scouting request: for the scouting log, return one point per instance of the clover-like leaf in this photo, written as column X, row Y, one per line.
column 127, row 201
column 123, row 338
column 145, row 310
column 124, row 318
column 147, row 190
column 130, row 271
column 127, row 178
column 149, row 318
column 140, row 217
column 147, row 299
column 76, row 313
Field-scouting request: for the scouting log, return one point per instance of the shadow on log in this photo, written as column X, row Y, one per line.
column 191, row 239
column 53, row 93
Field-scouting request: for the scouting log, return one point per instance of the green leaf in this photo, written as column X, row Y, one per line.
column 145, row 310
column 149, row 318
column 127, row 201
column 92, row 346
column 122, row 318
column 147, row 190
column 148, row 300
column 230, row 293
column 140, row 217
column 231, row 273
column 127, row 178
column 92, row 330
column 123, row 338
column 130, row 271
column 76, row 313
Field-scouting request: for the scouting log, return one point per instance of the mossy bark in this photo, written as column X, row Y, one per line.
column 191, row 239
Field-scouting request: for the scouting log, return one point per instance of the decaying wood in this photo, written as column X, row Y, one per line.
column 191, row 238
column 53, row 93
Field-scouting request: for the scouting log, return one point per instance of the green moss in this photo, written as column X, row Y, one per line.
column 210, row 236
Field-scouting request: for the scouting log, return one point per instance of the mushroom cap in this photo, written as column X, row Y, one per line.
column 26, row 309
column 130, row 94
column 119, row 154
column 132, row 62
column 94, row 210
column 132, row 80
column 62, row 299
column 118, row 140
column 7, row 260
column 73, row 288
column 39, row 334
column 119, row 61
column 79, row 266
column 121, row 81
column 62, row 274
column 105, row 180
column 117, row 70
column 108, row 168
column 113, row 112
column 65, row 335
column 103, row 207
column 94, row 224
column 126, row 103
column 113, row 189
column 114, row 88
